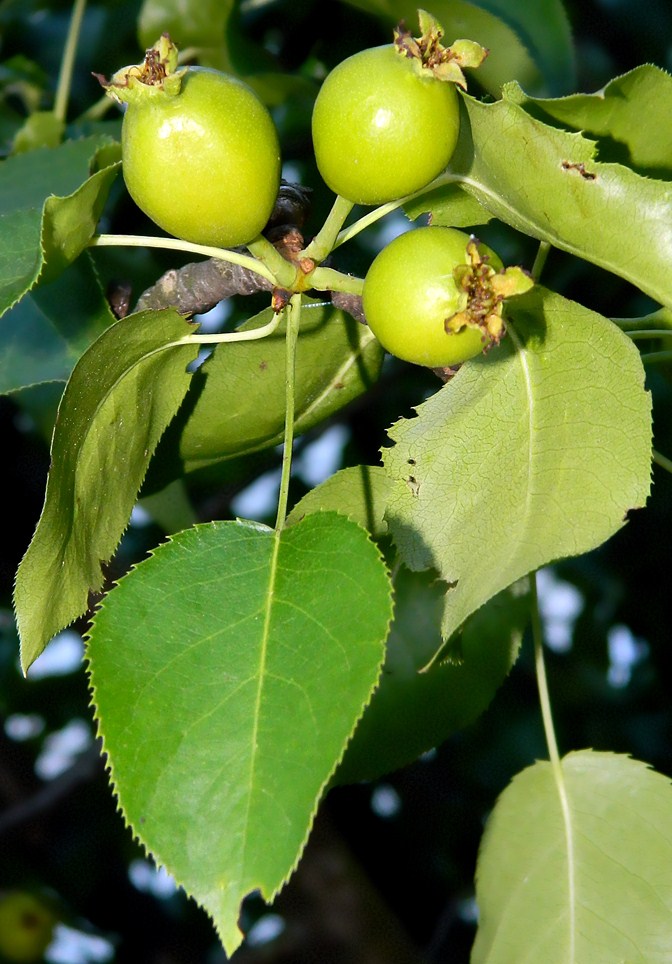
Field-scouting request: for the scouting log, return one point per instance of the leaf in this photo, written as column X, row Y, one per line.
column 530, row 453
column 411, row 712
column 237, row 401
column 190, row 23
column 264, row 646
column 546, row 183
column 450, row 205
column 42, row 337
column 50, row 203
column 360, row 492
column 120, row 397
column 593, row 888
column 545, row 30
column 628, row 118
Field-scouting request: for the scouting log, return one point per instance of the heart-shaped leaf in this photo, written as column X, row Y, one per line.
column 229, row 670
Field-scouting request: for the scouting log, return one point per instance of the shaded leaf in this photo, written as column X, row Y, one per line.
column 412, row 712
column 247, row 635
column 120, row 397
column 593, row 886
column 545, row 30
column 50, row 203
column 508, row 58
column 190, row 23
column 450, row 205
column 42, row 336
column 533, row 452
column 237, row 401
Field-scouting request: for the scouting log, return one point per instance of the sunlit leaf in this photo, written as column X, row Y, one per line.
column 587, row 883
column 533, row 452
column 628, row 118
column 263, row 647
column 547, row 183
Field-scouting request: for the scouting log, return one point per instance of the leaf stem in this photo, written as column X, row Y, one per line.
column 657, row 357
column 68, row 61
column 540, row 260
column 325, row 240
column 645, row 333
column 661, row 317
column 328, row 279
column 293, row 321
column 175, row 244
column 662, row 461
column 219, row 338
column 556, row 764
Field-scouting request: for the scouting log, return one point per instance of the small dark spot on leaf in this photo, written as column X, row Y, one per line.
column 580, row 168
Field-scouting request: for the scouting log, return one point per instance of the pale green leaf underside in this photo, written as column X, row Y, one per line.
column 122, row 393
column 228, row 671
column 533, row 452
column 629, row 118
column 547, row 183
column 596, row 889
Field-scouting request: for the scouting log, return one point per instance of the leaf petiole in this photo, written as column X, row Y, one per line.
column 174, row 244
column 326, row 238
column 222, row 337
column 293, row 312
column 556, row 764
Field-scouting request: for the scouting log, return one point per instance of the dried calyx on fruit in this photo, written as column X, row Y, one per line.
column 200, row 153
column 386, row 120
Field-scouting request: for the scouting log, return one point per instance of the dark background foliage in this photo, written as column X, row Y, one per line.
column 389, row 870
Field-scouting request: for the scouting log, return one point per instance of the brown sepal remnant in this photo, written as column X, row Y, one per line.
column 486, row 291
column 445, row 63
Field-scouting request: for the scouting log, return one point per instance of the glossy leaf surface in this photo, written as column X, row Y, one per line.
column 265, row 647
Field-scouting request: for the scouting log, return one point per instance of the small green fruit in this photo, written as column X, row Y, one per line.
column 26, row 927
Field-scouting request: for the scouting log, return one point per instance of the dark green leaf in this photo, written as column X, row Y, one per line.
column 50, row 203
column 120, row 397
column 237, row 401
column 42, row 336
